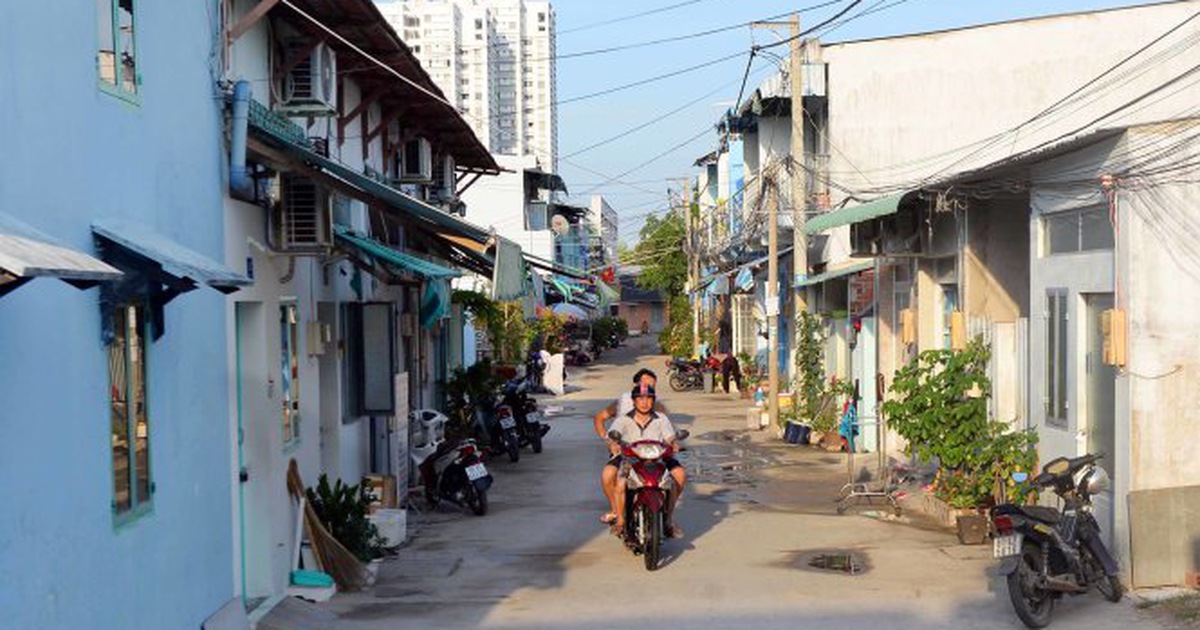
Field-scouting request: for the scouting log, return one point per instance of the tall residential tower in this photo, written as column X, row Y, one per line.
column 494, row 59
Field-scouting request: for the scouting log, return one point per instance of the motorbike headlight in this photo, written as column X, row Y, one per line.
column 649, row 450
column 1097, row 480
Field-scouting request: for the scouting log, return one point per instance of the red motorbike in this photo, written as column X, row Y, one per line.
column 648, row 488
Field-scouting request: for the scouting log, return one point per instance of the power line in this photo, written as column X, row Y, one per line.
column 626, row 18
column 809, row 31
column 656, row 119
column 660, row 77
column 677, row 38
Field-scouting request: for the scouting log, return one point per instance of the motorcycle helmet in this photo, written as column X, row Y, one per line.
column 642, row 390
column 1095, row 480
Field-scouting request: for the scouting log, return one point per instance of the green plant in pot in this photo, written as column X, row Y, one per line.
column 939, row 405
column 343, row 510
column 819, row 397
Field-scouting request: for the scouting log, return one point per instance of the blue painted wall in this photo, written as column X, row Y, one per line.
column 73, row 154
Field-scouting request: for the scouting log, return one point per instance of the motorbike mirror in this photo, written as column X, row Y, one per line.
column 614, row 436
column 682, row 434
column 1020, row 477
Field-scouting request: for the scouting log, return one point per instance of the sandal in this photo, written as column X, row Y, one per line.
column 608, row 518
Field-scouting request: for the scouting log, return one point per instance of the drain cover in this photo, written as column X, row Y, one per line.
column 847, row 563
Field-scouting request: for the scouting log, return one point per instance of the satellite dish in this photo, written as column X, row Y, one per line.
column 559, row 225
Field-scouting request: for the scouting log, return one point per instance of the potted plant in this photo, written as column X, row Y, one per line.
column 939, row 406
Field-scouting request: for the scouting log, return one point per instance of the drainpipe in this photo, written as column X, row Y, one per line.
column 240, row 184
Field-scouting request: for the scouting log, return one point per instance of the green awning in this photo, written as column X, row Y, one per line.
column 845, row 216
column 393, row 258
column 836, row 273
column 374, row 191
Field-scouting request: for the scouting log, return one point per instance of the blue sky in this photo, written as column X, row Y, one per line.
column 713, row 87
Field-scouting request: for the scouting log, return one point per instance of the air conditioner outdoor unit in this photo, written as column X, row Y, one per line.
column 416, row 162
column 302, row 223
column 310, row 88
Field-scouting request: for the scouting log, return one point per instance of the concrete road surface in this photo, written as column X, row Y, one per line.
column 756, row 513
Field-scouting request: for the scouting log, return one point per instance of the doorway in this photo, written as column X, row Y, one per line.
column 1100, row 420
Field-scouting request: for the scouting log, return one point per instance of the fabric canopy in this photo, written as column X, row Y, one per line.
column 508, row 274
column 570, row 311
column 390, row 257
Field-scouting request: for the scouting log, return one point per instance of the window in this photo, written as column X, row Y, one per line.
column 541, row 17
column 128, row 417
column 949, row 305
column 116, row 54
column 289, row 381
column 1057, row 314
column 1086, row 229
column 478, row 24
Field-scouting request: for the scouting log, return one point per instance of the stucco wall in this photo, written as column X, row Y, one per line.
column 958, row 87
column 996, row 259
column 156, row 162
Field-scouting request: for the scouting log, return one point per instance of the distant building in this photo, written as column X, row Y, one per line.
column 604, row 232
column 645, row 310
column 494, row 59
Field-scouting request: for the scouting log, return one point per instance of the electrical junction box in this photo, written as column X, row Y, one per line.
column 1112, row 327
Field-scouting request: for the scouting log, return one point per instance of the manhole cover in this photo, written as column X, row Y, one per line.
column 847, row 563
column 827, row 561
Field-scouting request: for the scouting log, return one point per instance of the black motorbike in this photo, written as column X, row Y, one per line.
column 1049, row 552
column 685, row 374
column 495, row 423
column 531, row 426
column 455, row 472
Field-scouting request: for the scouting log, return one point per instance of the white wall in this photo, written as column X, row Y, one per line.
column 902, row 109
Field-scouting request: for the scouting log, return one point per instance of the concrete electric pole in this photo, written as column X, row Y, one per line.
column 772, row 299
column 799, row 191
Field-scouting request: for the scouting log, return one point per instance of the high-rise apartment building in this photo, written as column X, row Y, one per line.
column 494, row 59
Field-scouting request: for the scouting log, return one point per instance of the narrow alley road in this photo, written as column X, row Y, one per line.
column 756, row 511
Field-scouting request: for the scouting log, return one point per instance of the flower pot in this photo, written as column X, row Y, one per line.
column 972, row 526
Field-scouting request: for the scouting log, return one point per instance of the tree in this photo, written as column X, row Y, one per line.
column 664, row 263
column 660, row 253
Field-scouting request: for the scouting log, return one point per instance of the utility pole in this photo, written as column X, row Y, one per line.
column 772, row 299
column 693, row 252
column 799, row 188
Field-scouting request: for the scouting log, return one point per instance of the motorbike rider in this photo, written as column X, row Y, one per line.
column 643, row 422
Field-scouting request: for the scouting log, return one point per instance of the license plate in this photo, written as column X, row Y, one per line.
column 1007, row 546
column 476, row 471
column 536, row 416
column 507, row 423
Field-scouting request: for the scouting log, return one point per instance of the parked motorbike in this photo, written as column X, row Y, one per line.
column 455, row 472
column 1048, row 552
column 531, row 426
column 648, row 488
column 496, row 422
column 535, row 369
column 577, row 356
column 685, row 374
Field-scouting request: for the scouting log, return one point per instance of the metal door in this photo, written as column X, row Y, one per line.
column 1099, row 424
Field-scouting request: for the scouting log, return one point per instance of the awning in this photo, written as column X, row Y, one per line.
column 26, row 253
column 836, row 273
column 854, row 214
column 397, row 261
column 353, row 183
column 546, row 265
column 508, row 271
column 186, row 265
column 536, row 179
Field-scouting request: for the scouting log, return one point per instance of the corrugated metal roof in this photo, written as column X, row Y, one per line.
column 854, row 214
column 26, row 252
column 175, row 259
column 836, row 273
column 389, row 256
